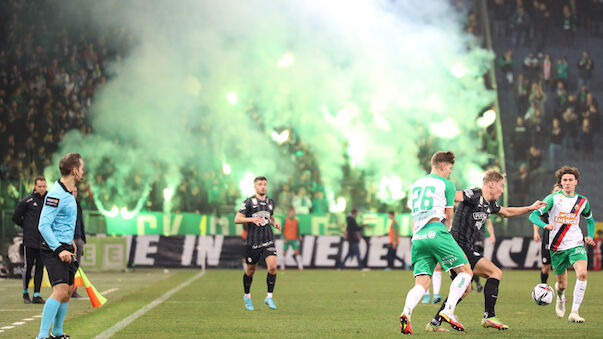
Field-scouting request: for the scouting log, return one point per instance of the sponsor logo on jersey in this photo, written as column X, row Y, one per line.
column 469, row 192
column 53, row 202
column 254, row 201
column 35, row 204
column 449, row 260
column 567, row 218
column 480, row 216
column 265, row 215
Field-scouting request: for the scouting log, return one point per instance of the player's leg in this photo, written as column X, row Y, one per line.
column 251, row 258
column 348, row 255
column 546, row 263
column 59, row 319
column 38, row 274
column 544, row 273
column 580, row 264
column 390, row 257
column 298, row 258
column 415, row 294
column 486, row 269
column 286, row 246
column 270, row 278
column 560, row 262
column 59, row 276
column 437, row 283
column 28, row 263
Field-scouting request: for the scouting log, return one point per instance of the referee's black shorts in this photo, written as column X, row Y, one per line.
column 59, row 272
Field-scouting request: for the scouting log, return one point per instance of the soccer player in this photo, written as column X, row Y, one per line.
column 566, row 241
column 475, row 207
column 57, row 227
column 394, row 239
column 545, row 252
column 292, row 239
column 257, row 212
column 432, row 200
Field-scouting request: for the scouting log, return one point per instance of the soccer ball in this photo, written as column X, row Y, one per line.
column 543, row 294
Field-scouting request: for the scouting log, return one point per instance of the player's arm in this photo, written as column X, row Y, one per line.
column 458, row 196
column 450, row 193
column 490, row 228
column 449, row 214
column 535, row 216
column 241, row 218
column 536, row 233
column 47, row 217
column 590, row 224
column 19, row 213
column 274, row 223
column 509, row 212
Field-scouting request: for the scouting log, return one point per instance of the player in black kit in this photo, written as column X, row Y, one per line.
column 474, row 208
column 545, row 251
column 257, row 213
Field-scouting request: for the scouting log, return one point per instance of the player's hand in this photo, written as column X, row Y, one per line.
column 549, row 227
column 65, row 256
column 257, row 220
column 276, row 225
column 74, row 247
column 537, row 237
column 538, row 204
column 589, row 241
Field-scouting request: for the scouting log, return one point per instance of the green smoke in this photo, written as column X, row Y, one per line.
column 209, row 82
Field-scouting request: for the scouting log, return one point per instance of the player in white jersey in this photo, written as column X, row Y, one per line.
column 432, row 200
column 566, row 241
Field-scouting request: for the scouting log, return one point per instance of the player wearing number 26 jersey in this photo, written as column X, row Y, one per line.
column 432, row 199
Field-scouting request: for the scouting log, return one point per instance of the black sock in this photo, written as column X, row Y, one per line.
column 270, row 280
column 544, row 277
column 247, row 282
column 490, row 296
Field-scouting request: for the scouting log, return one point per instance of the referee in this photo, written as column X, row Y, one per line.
column 57, row 226
column 257, row 213
column 27, row 215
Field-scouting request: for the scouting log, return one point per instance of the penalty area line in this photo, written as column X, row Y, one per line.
column 127, row 321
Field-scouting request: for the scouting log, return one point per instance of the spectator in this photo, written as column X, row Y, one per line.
column 520, row 23
column 301, row 203
column 561, row 71
column 586, row 142
column 353, row 234
column 547, row 69
column 530, row 66
column 319, row 205
column 542, row 22
column 285, row 198
column 520, row 141
column 570, row 123
column 538, row 97
column 567, row 27
column 505, row 62
column 521, row 186
column 586, row 67
column 501, row 13
column 555, row 144
column 535, row 160
column 561, row 98
column 521, row 89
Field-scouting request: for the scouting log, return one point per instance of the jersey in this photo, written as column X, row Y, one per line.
column 291, row 229
column 58, row 217
column 470, row 217
column 394, row 232
column 430, row 196
column 564, row 214
column 258, row 236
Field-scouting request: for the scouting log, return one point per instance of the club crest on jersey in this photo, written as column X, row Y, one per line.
column 254, row 201
column 270, row 206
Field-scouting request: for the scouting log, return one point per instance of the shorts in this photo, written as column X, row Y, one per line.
column 473, row 256
column 291, row 243
column 253, row 255
column 433, row 244
column 59, row 272
column 561, row 260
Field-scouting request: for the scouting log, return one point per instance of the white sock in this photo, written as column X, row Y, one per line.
column 283, row 259
column 412, row 298
column 269, row 295
column 437, row 282
column 579, row 291
column 457, row 288
column 300, row 263
column 247, row 295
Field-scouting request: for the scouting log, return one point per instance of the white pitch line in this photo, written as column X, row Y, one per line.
column 37, row 316
column 108, row 333
column 18, row 323
column 28, row 319
column 109, row 291
column 6, row 327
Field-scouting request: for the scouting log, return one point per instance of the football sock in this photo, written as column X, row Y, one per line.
column 457, row 288
column 247, row 295
column 270, row 280
column 57, row 328
column 247, row 282
column 51, row 308
column 283, row 259
column 269, row 295
column 437, row 282
column 412, row 298
column 490, row 296
column 544, row 277
column 25, row 291
column 578, row 294
column 36, row 294
column 300, row 263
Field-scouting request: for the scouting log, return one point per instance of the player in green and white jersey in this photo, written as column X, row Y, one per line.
column 432, row 199
column 566, row 241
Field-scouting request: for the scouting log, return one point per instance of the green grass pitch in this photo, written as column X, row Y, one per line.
column 313, row 303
